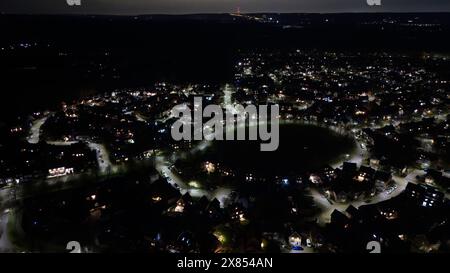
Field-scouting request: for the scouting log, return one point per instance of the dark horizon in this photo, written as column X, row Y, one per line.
column 223, row 13
column 180, row 7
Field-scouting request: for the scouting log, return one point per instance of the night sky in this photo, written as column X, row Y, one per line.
column 217, row 6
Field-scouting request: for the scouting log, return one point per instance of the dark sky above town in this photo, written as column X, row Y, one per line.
column 218, row 6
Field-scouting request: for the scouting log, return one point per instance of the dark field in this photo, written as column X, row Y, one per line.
column 302, row 148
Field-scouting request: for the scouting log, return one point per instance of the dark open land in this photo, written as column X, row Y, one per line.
column 302, row 148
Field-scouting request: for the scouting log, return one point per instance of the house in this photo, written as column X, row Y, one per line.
column 424, row 196
column 383, row 177
column 183, row 204
column 433, row 176
column 202, row 204
column 352, row 211
column 61, row 171
column 164, row 193
column 374, row 162
column 295, row 241
column 365, row 174
column 339, row 219
column 237, row 213
column 214, row 211
column 349, row 167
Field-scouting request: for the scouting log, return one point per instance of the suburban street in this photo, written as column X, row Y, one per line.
column 328, row 206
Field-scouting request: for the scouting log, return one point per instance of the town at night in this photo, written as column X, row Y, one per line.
column 230, row 129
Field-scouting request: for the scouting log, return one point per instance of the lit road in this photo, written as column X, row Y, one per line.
column 102, row 154
column 326, row 207
column 357, row 157
column 5, row 243
column 35, row 130
column 162, row 166
column 61, row 143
